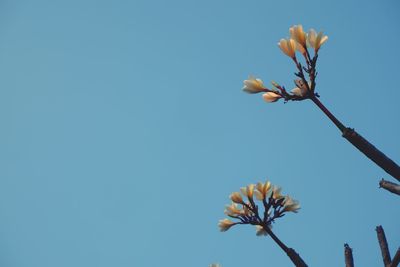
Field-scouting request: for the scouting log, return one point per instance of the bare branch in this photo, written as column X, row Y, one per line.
column 348, row 256
column 362, row 144
column 372, row 152
column 292, row 254
column 384, row 245
column 396, row 259
column 389, row 186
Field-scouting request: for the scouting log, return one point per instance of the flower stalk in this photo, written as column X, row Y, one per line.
column 301, row 41
column 246, row 211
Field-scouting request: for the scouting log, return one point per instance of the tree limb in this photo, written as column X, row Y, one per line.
column 389, row 186
column 361, row 143
column 396, row 259
column 384, row 245
column 348, row 256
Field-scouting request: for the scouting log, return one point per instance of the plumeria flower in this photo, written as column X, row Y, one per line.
column 225, row 224
column 301, row 90
column 237, row 198
column 290, row 204
column 297, row 33
column 288, row 46
column 271, row 97
column 276, row 192
column 301, row 48
column 233, row 210
column 316, row 40
column 260, row 212
column 248, row 191
column 253, row 86
column 262, row 190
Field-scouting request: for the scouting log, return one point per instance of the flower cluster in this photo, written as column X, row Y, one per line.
column 245, row 210
column 299, row 41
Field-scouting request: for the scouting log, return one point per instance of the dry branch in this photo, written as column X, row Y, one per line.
column 396, row 259
column 383, row 245
column 390, row 186
column 348, row 256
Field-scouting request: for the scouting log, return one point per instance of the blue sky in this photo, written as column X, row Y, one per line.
column 124, row 130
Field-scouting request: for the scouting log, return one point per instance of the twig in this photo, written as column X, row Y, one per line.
column 384, row 245
column 348, row 256
column 396, row 259
column 389, row 186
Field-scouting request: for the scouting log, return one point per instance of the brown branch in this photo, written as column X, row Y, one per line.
column 348, row 256
column 389, row 186
column 372, row 153
column 290, row 252
column 396, row 259
column 384, row 245
column 362, row 144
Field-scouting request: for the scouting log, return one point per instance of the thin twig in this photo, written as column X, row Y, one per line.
column 384, row 245
column 390, row 186
column 396, row 259
column 348, row 256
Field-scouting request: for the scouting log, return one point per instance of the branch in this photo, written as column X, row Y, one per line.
column 372, row 153
column 389, row 186
column 291, row 253
column 362, row 144
column 348, row 256
column 384, row 245
column 396, row 259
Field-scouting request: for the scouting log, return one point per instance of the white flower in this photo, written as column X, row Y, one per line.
column 288, row 46
column 299, row 92
column 253, row 86
column 236, row 197
column 262, row 190
column 271, row 97
column 290, row 204
column 225, row 224
column 301, row 89
column 297, row 33
column 233, row 210
column 316, row 40
column 300, row 48
column 248, row 190
column 276, row 192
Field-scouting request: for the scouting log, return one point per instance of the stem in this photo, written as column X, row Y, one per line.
column 348, row 256
column 361, row 143
column 384, row 245
column 328, row 113
column 291, row 253
column 396, row 259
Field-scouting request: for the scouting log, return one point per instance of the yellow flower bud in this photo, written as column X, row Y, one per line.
column 271, row 97
column 253, row 86
column 236, row 197
column 225, row 224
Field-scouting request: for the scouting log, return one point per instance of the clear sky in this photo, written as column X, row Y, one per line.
column 124, row 130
